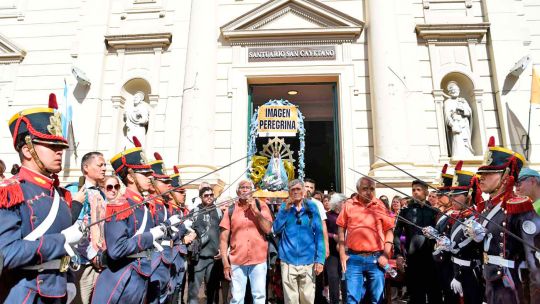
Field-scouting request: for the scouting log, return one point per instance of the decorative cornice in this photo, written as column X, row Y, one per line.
column 9, row 52
column 299, row 42
column 333, row 25
column 139, row 41
column 455, row 31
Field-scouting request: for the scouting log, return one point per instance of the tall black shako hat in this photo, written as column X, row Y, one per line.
column 132, row 158
column 38, row 125
column 159, row 168
column 499, row 159
column 446, row 180
column 466, row 182
column 176, row 181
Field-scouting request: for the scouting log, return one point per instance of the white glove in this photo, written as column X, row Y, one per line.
column 157, row 232
column 175, row 219
column 158, row 246
column 456, row 287
column 73, row 233
column 443, row 244
column 474, row 230
column 430, row 232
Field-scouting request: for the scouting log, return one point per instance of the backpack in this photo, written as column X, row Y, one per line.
column 194, row 248
column 271, row 238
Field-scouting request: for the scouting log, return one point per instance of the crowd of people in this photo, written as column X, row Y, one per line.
column 132, row 237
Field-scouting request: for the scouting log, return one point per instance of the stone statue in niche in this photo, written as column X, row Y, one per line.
column 458, row 118
column 136, row 117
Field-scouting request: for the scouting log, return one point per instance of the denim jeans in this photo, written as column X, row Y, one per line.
column 257, row 279
column 364, row 277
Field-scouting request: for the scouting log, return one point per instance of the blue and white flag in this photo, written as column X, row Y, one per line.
column 67, row 112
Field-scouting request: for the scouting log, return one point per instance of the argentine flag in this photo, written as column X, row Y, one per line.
column 67, row 112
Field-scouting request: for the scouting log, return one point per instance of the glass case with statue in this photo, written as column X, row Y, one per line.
column 276, row 146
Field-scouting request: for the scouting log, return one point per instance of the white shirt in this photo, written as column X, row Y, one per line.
column 320, row 206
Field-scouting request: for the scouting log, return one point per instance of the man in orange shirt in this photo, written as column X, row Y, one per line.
column 369, row 243
column 244, row 232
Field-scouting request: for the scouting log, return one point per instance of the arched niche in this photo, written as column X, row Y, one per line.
column 122, row 103
column 473, row 97
column 136, row 84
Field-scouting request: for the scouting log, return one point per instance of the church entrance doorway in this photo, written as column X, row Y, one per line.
column 319, row 105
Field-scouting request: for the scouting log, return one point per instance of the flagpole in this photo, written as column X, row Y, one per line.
column 528, row 132
column 535, row 98
column 75, row 144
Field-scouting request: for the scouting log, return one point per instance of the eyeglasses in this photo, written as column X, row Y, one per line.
column 111, row 187
column 521, row 180
column 208, row 195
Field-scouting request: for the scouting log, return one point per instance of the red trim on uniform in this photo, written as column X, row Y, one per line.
column 34, row 132
column 27, row 296
column 11, row 193
column 132, row 166
column 120, row 210
column 35, row 178
column 67, row 196
column 46, row 295
column 519, row 205
column 116, row 286
column 139, row 242
column 38, row 250
column 160, row 176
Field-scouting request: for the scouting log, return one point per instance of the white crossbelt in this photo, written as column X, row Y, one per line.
column 47, row 222
column 492, row 214
column 499, row 261
column 461, row 262
column 143, row 225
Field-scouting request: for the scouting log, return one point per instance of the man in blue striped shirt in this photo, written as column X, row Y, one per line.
column 301, row 246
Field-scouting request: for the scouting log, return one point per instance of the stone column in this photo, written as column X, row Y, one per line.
column 199, row 93
column 388, row 108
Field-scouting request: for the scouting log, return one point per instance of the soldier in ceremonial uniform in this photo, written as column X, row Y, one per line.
column 179, row 251
column 443, row 226
column 511, row 267
column 467, row 279
column 129, row 233
column 160, row 281
column 36, row 226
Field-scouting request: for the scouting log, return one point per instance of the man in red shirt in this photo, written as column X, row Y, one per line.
column 243, row 231
column 369, row 243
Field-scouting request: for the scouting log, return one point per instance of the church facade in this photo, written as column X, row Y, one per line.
column 371, row 78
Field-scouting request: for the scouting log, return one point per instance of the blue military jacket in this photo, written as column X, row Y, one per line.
column 160, row 215
column 120, row 233
column 25, row 202
column 179, row 249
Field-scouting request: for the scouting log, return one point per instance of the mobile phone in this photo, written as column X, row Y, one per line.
column 82, row 180
column 325, row 192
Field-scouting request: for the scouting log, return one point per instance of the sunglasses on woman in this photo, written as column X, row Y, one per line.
column 111, row 187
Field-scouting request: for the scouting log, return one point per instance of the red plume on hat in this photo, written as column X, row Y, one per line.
column 458, row 165
column 175, row 168
column 136, row 142
column 444, row 168
column 52, row 101
column 491, row 142
column 157, row 156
